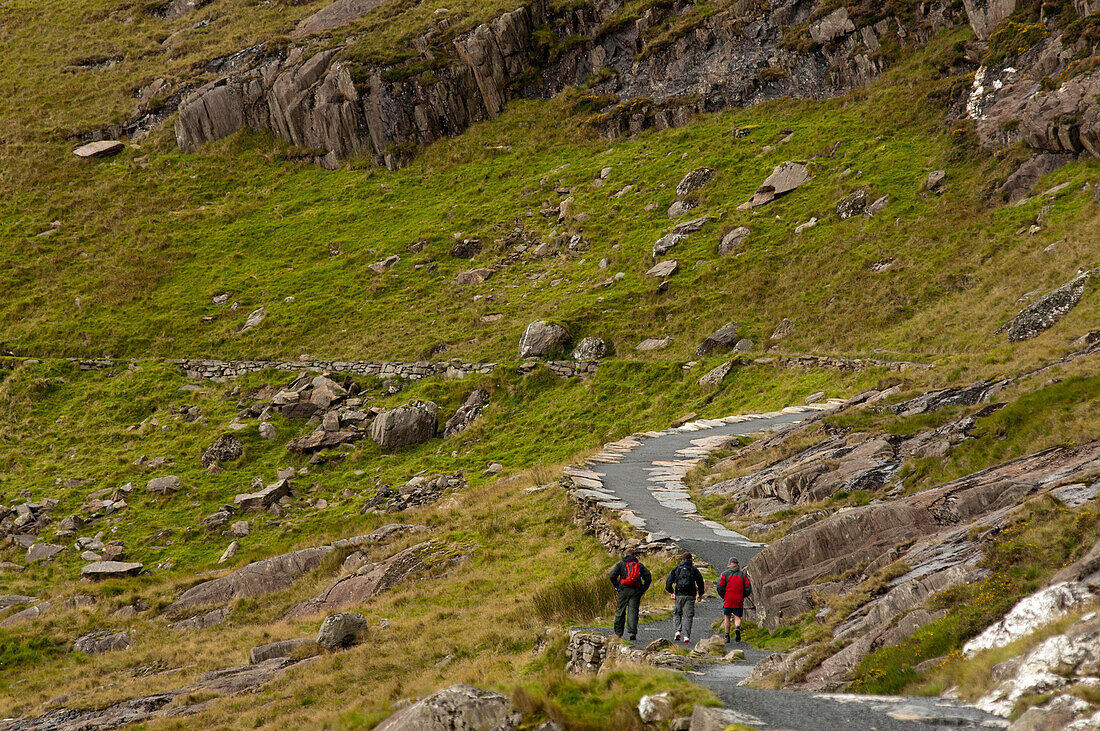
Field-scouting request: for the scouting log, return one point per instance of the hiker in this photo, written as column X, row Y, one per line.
column 631, row 579
column 733, row 587
column 684, row 584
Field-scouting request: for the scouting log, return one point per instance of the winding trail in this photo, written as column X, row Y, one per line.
column 642, row 477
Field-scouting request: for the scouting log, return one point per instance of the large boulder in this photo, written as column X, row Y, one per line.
column 256, row 579
column 341, row 630
column 693, row 181
column 165, row 485
column 733, row 240
column 783, row 180
column 1047, row 310
column 262, row 499
column 43, row 552
column 408, row 425
column 458, row 708
column 540, row 337
column 466, row 413
column 283, row 648
column 723, row 338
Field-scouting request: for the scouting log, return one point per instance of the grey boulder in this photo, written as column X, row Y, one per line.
column 590, row 349
column 43, row 552
column 282, row 648
column 1047, row 310
column 111, row 569
column 163, row 485
column 102, row 641
column 341, row 630
column 411, row 424
column 226, row 449
column 540, row 337
column 466, row 413
column 693, row 181
column 733, row 240
column 460, row 706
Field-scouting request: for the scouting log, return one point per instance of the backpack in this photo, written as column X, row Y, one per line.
column 632, row 574
column 685, row 582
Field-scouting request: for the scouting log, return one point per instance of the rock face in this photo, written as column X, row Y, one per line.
column 724, row 337
column 99, row 642
column 1047, row 310
column 408, row 425
column 458, row 707
column 541, row 337
column 341, row 630
column 985, row 15
column 256, row 579
column 318, row 100
column 466, row 413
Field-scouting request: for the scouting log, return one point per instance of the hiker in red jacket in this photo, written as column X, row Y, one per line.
column 733, row 587
column 631, row 579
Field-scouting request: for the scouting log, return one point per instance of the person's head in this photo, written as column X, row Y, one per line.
column 685, row 558
column 629, row 556
column 734, row 563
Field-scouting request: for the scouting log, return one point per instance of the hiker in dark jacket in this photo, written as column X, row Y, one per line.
column 631, row 579
column 684, row 584
column 733, row 587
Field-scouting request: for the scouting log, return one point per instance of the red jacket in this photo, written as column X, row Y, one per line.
column 733, row 587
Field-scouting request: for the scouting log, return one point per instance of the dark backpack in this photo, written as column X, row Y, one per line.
column 685, row 582
column 632, row 574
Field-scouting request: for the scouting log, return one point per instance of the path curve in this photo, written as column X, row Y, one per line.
column 642, row 477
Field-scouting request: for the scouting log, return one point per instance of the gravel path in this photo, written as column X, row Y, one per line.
column 642, row 477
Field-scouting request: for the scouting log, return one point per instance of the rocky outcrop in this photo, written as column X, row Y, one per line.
column 332, row 16
column 590, row 653
column 102, row 641
column 366, row 582
column 1047, row 310
column 456, row 707
column 419, row 491
column 227, row 448
column 256, row 579
column 938, row 519
column 313, row 99
column 408, row 425
column 985, row 15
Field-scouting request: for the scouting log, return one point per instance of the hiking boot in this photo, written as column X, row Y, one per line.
column 677, row 637
column 738, row 636
column 632, row 638
column 687, row 640
column 727, row 638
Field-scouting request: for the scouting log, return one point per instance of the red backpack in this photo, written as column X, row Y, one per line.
column 632, row 574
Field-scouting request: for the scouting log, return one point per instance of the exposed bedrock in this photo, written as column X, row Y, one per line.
column 733, row 57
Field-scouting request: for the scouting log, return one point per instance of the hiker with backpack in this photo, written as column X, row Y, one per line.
column 684, row 584
column 631, row 579
column 733, row 587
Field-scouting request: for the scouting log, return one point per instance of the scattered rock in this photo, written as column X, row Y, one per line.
column 707, row 718
column 100, row 642
column 667, row 243
column 472, row 276
column 732, row 242
column 783, row 180
column 693, row 181
column 664, row 269
column 682, row 207
column 716, row 375
column 590, row 350
column 341, row 630
column 934, row 182
column 27, row 615
column 103, row 148
column 163, row 485
column 654, row 343
column 227, row 448
column 383, row 266
column 466, row 413
column 417, row 492
column 713, row 645
column 266, row 430
column 262, row 499
column 540, row 338
column 466, row 248
column 254, row 318
column 853, row 205
column 724, row 337
column 110, row 569
column 230, row 552
column 42, row 552
column 212, row 618
column 783, row 329
column 408, row 425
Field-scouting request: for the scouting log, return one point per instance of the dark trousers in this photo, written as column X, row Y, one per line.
column 627, row 610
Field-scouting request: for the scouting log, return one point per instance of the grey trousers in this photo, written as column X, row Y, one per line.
column 683, row 614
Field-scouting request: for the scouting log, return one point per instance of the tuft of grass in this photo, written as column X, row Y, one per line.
column 575, row 600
